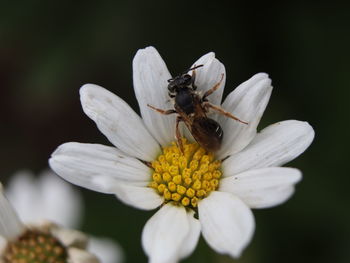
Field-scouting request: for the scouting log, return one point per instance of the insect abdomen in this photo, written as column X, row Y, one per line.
column 208, row 133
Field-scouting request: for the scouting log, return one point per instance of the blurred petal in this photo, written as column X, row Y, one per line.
column 247, row 102
column 69, row 237
column 275, row 145
column 209, row 75
column 10, row 224
column 82, row 164
column 106, row 250
column 77, row 255
column 262, row 188
column 151, row 76
column 192, row 238
column 3, row 244
column 23, row 194
column 164, row 234
column 68, row 204
column 118, row 122
column 227, row 223
column 33, row 198
column 144, row 198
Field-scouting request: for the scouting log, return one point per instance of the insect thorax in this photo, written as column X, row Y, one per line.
column 184, row 100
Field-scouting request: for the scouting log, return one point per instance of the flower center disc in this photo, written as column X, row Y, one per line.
column 185, row 178
column 35, row 246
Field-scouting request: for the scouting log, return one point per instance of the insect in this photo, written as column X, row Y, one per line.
column 192, row 109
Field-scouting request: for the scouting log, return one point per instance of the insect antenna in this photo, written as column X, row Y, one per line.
column 195, row 67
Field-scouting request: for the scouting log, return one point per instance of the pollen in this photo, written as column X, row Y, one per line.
column 185, row 178
column 35, row 246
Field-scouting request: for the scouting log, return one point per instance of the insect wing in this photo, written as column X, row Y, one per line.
column 208, row 133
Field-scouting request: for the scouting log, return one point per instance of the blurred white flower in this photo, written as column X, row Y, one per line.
column 146, row 169
column 48, row 197
column 43, row 242
column 106, row 249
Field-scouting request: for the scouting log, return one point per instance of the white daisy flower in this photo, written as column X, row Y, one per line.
column 146, row 169
column 50, row 198
column 43, row 243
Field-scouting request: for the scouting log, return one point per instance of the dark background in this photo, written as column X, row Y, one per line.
column 48, row 49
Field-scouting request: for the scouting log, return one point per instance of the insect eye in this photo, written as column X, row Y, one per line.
column 187, row 79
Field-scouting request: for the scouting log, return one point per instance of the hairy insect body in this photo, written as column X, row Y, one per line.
column 192, row 110
column 208, row 133
column 184, row 101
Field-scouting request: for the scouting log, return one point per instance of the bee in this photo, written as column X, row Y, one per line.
column 192, row 109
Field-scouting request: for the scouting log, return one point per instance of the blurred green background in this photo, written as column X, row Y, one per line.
column 48, row 49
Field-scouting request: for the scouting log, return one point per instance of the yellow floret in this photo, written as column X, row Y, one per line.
column 185, row 178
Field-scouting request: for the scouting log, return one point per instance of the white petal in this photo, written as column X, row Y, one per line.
column 275, row 145
column 141, row 197
column 23, row 194
column 164, row 234
column 3, row 245
column 68, row 204
column 144, row 198
column 69, row 237
column 209, row 75
column 151, row 76
column 262, row 188
column 82, row 164
column 34, row 198
column 118, row 122
column 106, row 250
column 77, row 255
column 10, row 224
column 227, row 223
column 247, row 102
column 206, row 78
column 192, row 238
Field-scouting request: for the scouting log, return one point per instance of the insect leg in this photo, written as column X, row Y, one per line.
column 178, row 134
column 165, row 112
column 223, row 112
column 216, row 86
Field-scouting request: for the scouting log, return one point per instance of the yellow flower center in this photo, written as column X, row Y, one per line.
column 185, row 178
column 34, row 246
